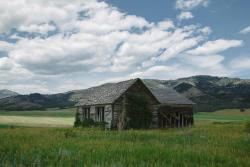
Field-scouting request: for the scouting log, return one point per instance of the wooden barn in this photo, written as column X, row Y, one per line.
column 132, row 104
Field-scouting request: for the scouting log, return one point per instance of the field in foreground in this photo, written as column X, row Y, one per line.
column 217, row 139
column 206, row 144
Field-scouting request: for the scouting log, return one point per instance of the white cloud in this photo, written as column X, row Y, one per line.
column 190, row 4
column 185, row 16
column 5, row 64
column 206, row 30
column 240, row 63
column 157, row 72
column 42, row 28
column 245, row 30
column 5, row 46
column 96, row 41
column 152, row 71
column 164, row 25
column 29, row 88
column 212, row 47
column 204, row 61
column 175, row 71
column 14, row 14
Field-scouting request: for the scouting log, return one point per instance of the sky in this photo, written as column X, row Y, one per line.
column 51, row 46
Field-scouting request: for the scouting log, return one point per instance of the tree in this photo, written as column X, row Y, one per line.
column 77, row 122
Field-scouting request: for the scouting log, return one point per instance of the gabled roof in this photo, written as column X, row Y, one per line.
column 170, row 96
column 104, row 94
column 108, row 93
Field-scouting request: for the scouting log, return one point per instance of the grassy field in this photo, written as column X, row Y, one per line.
column 227, row 115
column 201, row 145
column 50, row 118
column 216, row 139
column 52, row 112
column 37, row 121
column 65, row 117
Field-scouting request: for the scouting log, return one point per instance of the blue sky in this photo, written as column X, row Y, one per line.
column 53, row 46
column 225, row 17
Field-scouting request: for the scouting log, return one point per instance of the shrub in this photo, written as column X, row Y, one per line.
column 70, row 134
column 242, row 110
column 101, row 125
column 247, row 127
column 87, row 123
column 77, row 122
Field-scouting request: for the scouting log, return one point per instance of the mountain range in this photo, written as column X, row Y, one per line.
column 7, row 93
column 208, row 92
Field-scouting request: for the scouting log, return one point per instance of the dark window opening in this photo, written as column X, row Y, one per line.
column 100, row 114
column 86, row 113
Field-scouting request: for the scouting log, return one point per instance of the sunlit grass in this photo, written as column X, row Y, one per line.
column 65, row 117
column 202, row 145
column 51, row 112
column 216, row 139
column 227, row 115
column 37, row 121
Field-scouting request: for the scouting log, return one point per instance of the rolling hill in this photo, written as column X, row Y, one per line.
column 211, row 93
column 208, row 92
column 36, row 101
column 7, row 93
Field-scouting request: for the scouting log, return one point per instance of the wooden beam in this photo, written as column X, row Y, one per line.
column 174, row 116
column 165, row 116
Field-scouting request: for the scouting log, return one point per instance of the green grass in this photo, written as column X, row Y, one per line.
column 217, row 139
column 227, row 115
column 201, row 145
column 65, row 117
column 52, row 112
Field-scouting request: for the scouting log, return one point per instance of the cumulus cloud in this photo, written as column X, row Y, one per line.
column 185, row 16
column 34, row 28
column 14, row 14
column 245, row 30
column 114, row 51
column 152, row 71
column 5, row 46
column 166, row 24
column 190, row 4
column 206, row 30
column 185, row 6
column 204, row 61
column 5, row 64
column 94, row 41
column 157, row 72
column 212, row 47
column 240, row 63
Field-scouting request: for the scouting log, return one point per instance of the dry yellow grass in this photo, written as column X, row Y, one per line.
column 37, row 121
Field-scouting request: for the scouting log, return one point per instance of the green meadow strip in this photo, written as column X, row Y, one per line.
column 204, row 145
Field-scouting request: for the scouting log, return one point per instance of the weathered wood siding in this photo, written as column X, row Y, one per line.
column 108, row 117
column 119, row 107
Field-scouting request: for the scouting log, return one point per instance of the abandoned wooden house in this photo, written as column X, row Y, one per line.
column 132, row 104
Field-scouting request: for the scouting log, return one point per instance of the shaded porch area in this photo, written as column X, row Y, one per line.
column 175, row 116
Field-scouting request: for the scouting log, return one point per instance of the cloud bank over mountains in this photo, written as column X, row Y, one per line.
column 54, row 46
